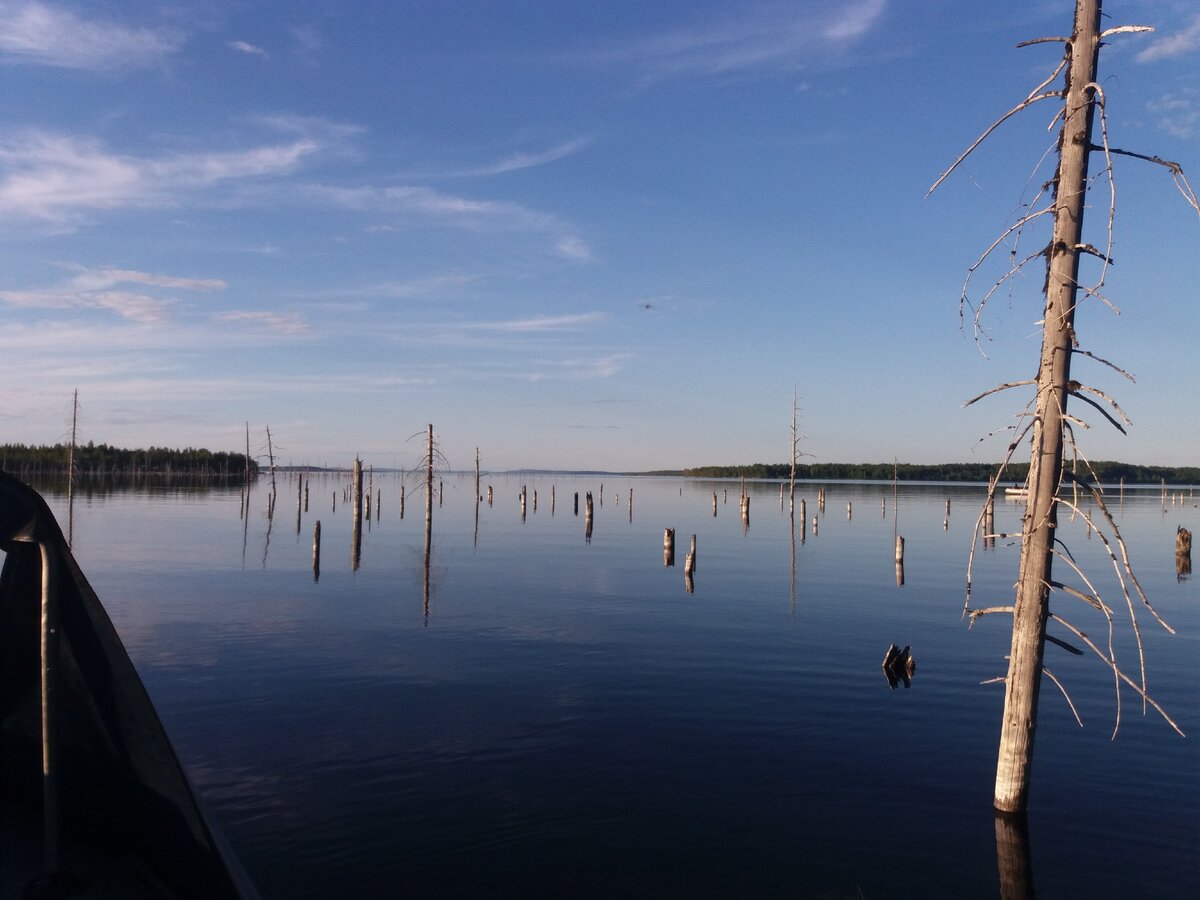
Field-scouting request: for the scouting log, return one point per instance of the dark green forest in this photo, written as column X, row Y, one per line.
column 1106, row 472
column 93, row 459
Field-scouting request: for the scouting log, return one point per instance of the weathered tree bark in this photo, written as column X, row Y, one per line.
column 1031, row 606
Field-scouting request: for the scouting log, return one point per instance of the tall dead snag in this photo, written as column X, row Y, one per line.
column 1049, row 427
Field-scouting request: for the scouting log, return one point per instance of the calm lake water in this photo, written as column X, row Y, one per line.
column 539, row 714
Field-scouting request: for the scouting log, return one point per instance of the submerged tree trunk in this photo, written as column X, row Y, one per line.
column 1031, row 606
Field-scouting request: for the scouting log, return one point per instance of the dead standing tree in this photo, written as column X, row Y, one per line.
column 1049, row 428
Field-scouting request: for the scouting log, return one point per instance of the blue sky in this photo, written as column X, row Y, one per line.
column 576, row 235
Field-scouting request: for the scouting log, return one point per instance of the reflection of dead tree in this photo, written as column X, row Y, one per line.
column 1049, row 427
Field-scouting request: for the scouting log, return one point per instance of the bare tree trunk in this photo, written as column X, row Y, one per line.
column 1031, row 606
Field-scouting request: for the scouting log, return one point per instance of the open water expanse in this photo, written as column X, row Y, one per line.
column 536, row 713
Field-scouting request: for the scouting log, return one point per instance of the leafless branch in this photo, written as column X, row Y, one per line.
column 1120, row 674
column 1090, row 402
column 976, row 613
column 1104, row 362
column 1125, row 29
column 1180, row 179
column 1066, row 696
column 998, row 388
column 1024, row 104
column 1044, row 40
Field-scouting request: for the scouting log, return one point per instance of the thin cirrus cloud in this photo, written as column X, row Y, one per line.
column 452, row 210
column 279, row 323
column 765, row 37
column 518, row 161
column 247, row 48
column 97, row 289
column 1178, row 44
column 541, row 323
column 42, row 34
column 58, row 179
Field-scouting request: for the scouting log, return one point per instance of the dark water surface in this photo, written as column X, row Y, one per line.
column 547, row 716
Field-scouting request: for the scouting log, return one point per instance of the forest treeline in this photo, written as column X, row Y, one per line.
column 1106, row 472
column 93, row 459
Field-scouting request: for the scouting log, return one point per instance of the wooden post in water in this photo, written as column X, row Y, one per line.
column 317, row 551
column 490, row 495
column 899, row 561
column 551, row 500
column 402, row 501
column 429, row 483
column 1183, row 552
column 577, row 503
column 849, row 510
column 714, row 504
column 587, row 517
column 669, row 547
column 307, row 483
column 477, row 473
column 356, row 496
column 692, row 553
column 814, row 526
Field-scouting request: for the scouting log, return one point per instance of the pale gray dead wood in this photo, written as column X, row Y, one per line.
column 1120, row 674
column 1125, row 29
column 1105, row 362
column 998, row 388
column 1024, row 104
column 987, row 611
column 998, row 679
column 1044, row 40
column 1063, row 690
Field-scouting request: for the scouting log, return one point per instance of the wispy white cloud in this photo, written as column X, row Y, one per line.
column 99, row 279
column 542, row 323
column 1177, row 44
column 39, row 33
column 574, row 247
column 518, row 161
column 419, row 287
column 127, row 304
column 94, row 289
column 1178, row 114
column 59, row 179
column 279, row 323
column 248, row 49
column 450, row 210
column 758, row 38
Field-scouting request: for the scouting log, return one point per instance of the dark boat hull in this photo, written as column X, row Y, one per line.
column 126, row 807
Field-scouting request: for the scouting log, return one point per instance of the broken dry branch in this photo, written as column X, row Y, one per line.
column 1090, row 402
column 976, row 613
column 1120, row 674
column 1125, row 29
column 1181, row 182
column 1024, row 104
column 1044, row 40
column 1062, row 690
column 998, row 388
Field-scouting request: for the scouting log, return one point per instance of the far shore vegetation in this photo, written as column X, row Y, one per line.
column 103, row 460
column 1105, row 472
column 93, row 459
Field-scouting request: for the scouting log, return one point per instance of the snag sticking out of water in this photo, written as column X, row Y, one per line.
column 899, row 666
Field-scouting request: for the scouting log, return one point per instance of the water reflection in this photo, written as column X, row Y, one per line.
column 1012, row 856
